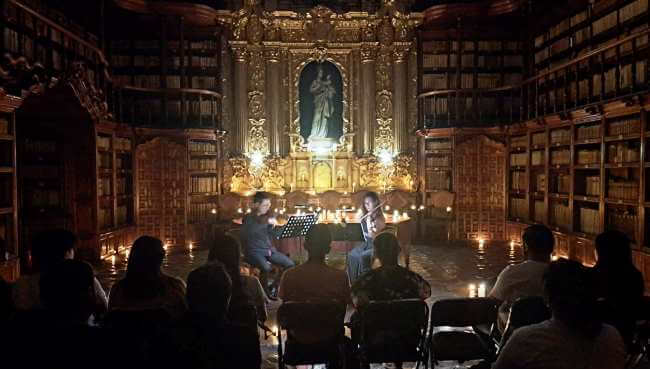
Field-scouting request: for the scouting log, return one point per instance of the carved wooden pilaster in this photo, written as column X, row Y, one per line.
column 240, row 98
column 368, row 56
column 400, row 98
column 273, row 101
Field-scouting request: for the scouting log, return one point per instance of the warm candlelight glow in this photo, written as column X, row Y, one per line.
column 472, row 290
column 448, row 209
column 405, row 215
column 481, row 290
column 554, row 257
column 311, row 209
column 213, row 211
column 239, row 210
column 165, row 246
column 421, row 207
column 191, row 244
column 512, row 244
column 113, row 260
column 387, row 208
column 248, row 211
column 413, row 207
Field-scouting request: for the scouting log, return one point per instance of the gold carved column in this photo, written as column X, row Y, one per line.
column 400, row 97
column 368, row 80
column 258, row 135
column 272, row 55
column 240, row 53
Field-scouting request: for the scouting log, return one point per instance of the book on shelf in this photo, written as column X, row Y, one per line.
column 434, row 81
column 467, row 60
column 122, row 143
column 518, row 181
column 589, row 221
column 122, row 184
column 200, row 211
column 540, row 183
column 518, row 159
column 621, row 152
column 103, row 142
column 434, row 46
column 561, row 216
column 537, row 157
column 588, row 156
column 489, row 45
column 624, row 126
column 578, row 18
column 468, row 46
column 122, row 215
column 592, row 186
column 104, row 187
column 203, row 184
column 518, row 208
column 604, row 23
column 486, row 80
column 435, row 61
column 540, row 211
column 560, row 157
column 204, row 45
column 538, row 139
column 438, row 181
column 623, row 190
column 203, row 164
column 623, row 221
column 632, row 9
column 437, row 144
column 202, row 146
column 513, row 60
column 204, row 83
column 561, row 183
column 561, row 136
column 173, row 81
column 587, row 132
column 105, row 160
column 4, row 126
column 518, row 141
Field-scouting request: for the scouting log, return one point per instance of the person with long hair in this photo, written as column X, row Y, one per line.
column 247, row 292
column 620, row 283
column 574, row 337
column 145, row 286
column 360, row 258
column 258, row 229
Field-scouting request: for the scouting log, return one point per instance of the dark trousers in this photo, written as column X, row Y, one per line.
column 265, row 259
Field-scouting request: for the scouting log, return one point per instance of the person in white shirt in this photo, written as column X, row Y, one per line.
column 574, row 337
column 524, row 279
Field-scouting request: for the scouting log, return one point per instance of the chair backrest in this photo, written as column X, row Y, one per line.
column 525, row 311
column 394, row 315
column 463, row 312
column 305, row 315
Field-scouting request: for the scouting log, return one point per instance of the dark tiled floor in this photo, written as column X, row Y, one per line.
column 449, row 268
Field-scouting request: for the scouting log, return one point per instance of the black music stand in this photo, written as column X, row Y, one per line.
column 298, row 226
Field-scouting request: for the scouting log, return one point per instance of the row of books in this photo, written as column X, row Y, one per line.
column 200, row 211
column 518, row 141
column 203, row 184
column 105, row 218
column 538, row 138
column 104, row 186
column 540, row 211
column 441, row 46
column 518, row 181
column 4, row 126
column 105, row 160
column 122, row 143
column 560, row 136
column 518, row 208
column 540, row 183
column 43, row 197
column 561, row 183
column 123, row 186
column 560, row 214
column 588, row 132
column 592, row 186
column 622, row 152
column 438, row 181
column 589, row 220
column 122, row 215
column 103, row 142
column 631, row 10
column 560, row 157
column 588, row 156
column 518, row 159
column 537, row 157
column 202, row 146
column 624, row 127
column 437, row 144
column 623, row 221
column 623, row 190
column 203, row 164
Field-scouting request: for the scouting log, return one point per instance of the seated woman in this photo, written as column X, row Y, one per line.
column 620, row 283
column 360, row 258
column 247, row 293
column 257, row 229
column 145, row 286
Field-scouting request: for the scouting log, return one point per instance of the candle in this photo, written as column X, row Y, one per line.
column 354, row 185
column 311, row 209
column 405, row 215
column 413, row 207
column 481, row 290
column 512, row 245
column 113, row 260
column 395, row 213
column 248, row 211
column 239, row 210
column 421, row 207
column 554, row 257
column 190, row 246
column 387, row 208
column 213, row 211
column 472, row 290
column 448, row 209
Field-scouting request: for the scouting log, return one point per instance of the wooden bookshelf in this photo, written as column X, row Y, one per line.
column 9, row 250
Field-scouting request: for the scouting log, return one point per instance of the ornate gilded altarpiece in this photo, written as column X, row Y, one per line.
column 374, row 59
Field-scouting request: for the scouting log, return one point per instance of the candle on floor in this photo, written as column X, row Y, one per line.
column 472, row 290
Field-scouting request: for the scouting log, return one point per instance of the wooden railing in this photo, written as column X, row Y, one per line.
column 615, row 71
column 167, row 107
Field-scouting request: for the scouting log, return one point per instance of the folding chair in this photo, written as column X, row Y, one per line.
column 311, row 317
column 525, row 311
column 392, row 331
column 462, row 343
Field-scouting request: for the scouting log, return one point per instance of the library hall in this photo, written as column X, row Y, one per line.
column 329, row 184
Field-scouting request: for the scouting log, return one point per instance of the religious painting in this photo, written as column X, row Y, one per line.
column 322, row 175
column 321, row 102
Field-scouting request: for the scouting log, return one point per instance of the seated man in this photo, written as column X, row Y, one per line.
column 524, row 279
column 315, row 281
column 574, row 337
column 256, row 232
column 390, row 281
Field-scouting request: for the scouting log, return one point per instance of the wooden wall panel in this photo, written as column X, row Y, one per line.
column 480, row 188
